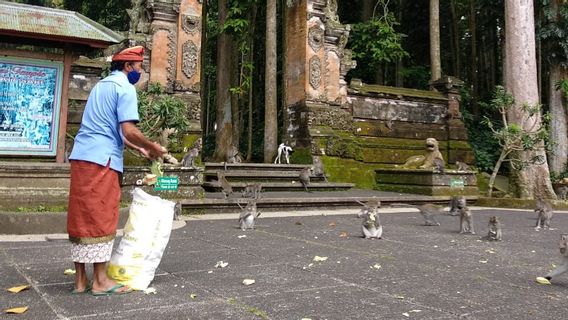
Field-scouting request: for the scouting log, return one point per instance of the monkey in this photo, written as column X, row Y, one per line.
column 454, row 211
column 562, row 192
column 371, row 227
column 563, row 268
column 188, row 159
column 177, row 211
column 253, row 189
column 428, row 211
column 233, row 156
column 544, row 210
column 439, row 165
column 466, row 218
column 462, row 166
column 247, row 215
column 305, row 178
column 225, row 185
column 494, row 233
column 318, row 168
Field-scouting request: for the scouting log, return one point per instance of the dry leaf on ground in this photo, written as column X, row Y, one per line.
column 319, row 259
column 542, row 280
column 69, row 272
column 19, row 288
column 17, row 310
column 332, row 224
column 344, row 234
column 248, row 282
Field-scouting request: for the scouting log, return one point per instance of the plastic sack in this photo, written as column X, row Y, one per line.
column 146, row 235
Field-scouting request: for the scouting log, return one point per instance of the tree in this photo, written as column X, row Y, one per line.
column 224, row 134
column 555, row 44
column 514, row 138
column 435, row 60
column 521, row 81
column 270, row 112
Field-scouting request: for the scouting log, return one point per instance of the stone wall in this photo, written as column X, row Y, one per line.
column 358, row 128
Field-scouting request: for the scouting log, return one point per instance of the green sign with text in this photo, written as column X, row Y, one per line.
column 166, row 184
column 457, row 183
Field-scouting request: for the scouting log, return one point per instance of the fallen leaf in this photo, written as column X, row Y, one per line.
column 319, row 259
column 343, row 234
column 415, row 310
column 542, row 280
column 221, row 264
column 406, row 314
column 482, row 261
column 399, row 297
column 17, row 310
column 376, row 266
column 298, row 223
column 150, row 290
column 19, row 288
column 332, row 224
column 490, row 251
column 243, row 236
column 193, row 296
column 69, row 272
column 248, row 282
column 306, row 318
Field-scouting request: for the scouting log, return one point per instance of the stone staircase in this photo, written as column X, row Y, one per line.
column 272, row 177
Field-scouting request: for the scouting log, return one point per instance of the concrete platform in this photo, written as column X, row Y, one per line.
column 415, row 272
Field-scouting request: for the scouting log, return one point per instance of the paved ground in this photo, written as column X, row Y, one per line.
column 425, row 272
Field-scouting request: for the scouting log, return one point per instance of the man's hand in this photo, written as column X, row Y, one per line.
column 156, row 151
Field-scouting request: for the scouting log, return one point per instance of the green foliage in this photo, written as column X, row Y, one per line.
column 416, row 77
column 514, row 138
column 554, row 32
column 112, row 13
column 159, row 110
column 375, row 41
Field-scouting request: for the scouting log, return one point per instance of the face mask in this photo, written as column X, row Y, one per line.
column 133, row 76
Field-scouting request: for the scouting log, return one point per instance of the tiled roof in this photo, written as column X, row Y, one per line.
column 63, row 25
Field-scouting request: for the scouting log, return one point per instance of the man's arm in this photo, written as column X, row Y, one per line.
column 135, row 139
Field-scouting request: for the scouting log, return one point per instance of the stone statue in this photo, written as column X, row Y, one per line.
column 426, row 161
column 138, row 19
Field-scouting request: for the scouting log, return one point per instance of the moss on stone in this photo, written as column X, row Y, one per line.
column 348, row 170
column 301, row 156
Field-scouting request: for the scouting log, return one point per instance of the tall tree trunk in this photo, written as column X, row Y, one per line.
column 557, row 103
column 558, row 127
column 251, row 86
column 270, row 112
column 534, row 180
column 399, row 81
column 224, row 133
column 455, row 39
column 235, row 82
column 367, row 7
column 473, row 58
column 435, row 60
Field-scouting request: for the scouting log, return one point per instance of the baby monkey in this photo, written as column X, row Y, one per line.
column 544, row 210
column 494, row 233
column 466, row 218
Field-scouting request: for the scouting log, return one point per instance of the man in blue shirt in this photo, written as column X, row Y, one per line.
column 109, row 122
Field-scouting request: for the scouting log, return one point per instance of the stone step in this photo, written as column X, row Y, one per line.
column 278, row 201
column 220, row 166
column 259, row 175
column 282, row 186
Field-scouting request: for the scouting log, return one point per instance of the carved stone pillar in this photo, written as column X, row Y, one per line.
column 163, row 46
column 316, row 62
column 188, row 64
column 450, row 86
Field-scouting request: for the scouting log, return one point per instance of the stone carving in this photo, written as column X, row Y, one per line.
column 172, row 45
column 331, row 11
column 315, row 38
column 315, row 72
column 139, row 22
column 190, row 23
column 332, row 117
column 428, row 160
column 190, row 58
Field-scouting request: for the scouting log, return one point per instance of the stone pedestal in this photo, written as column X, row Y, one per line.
column 190, row 180
column 422, row 181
